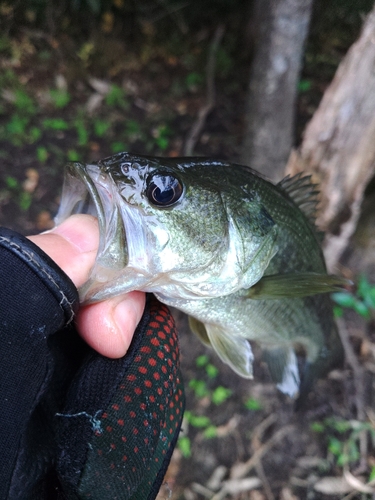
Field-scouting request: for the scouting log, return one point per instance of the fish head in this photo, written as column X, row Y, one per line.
column 170, row 226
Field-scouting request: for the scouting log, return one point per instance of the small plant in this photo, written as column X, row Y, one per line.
column 304, row 86
column 199, row 387
column 42, row 154
column 73, row 155
column 253, row 404
column 193, row 81
column 184, row 445
column 161, row 135
column 362, row 301
column 116, row 97
column 23, row 102
column 23, row 198
column 60, row 98
column 55, row 124
column 343, row 439
column 220, row 395
column 82, row 132
column 204, row 362
column 101, row 127
column 118, row 147
column 19, row 132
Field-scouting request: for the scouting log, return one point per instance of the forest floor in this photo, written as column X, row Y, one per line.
column 65, row 99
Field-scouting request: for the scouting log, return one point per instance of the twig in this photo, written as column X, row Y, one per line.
column 358, row 372
column 260, row 429
column 266, row 485
column 254, row 460
column 210, row 96
column 359, row 387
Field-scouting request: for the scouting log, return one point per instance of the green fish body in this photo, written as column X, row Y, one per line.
column 238, row 254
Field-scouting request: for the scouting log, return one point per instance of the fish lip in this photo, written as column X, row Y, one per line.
column 79, row 172
column 89, row 188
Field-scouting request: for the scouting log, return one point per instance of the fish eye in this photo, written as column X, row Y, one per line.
column 164, row 190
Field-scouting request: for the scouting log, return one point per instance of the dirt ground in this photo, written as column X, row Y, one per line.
column 242, row 440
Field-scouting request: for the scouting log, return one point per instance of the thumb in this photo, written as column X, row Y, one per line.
column 73, row 245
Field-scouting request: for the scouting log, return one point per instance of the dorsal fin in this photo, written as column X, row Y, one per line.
column 303, row 192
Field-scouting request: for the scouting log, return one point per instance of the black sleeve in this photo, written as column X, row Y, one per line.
column 74, row 424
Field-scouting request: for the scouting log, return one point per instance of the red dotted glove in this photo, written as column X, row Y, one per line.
column 74, row 424
column 129, row 426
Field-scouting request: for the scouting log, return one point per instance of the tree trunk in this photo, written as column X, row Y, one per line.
column 283, row 26
column 339, row 143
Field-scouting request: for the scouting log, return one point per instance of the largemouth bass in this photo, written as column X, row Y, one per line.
column 238, row 254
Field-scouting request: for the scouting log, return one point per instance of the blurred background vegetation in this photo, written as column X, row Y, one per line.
column 83, row 79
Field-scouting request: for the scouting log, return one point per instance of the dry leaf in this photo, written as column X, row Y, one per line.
column 44, row 221
column 32, row 179
column 333, row 486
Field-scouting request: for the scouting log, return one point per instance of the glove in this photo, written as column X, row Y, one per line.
column 74, row 424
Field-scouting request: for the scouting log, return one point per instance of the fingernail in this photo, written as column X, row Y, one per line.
column 124, row 316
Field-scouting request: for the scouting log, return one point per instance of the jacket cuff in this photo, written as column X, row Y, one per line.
column 54, row 278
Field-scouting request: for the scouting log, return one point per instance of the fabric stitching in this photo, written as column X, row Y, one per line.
column 64, row 300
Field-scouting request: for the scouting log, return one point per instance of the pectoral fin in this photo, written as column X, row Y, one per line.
column 293, row 285
column 283, row 367
column 200, row 331
column 234, row 351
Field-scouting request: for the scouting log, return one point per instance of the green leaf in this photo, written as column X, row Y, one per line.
column 199, row 421
column 211, row 371
column 199, row 387
column 73, row 155
column 202, row 360
column 60, row 97
column 335, row 446
column 193, row 80
column 25, row 200
column 17, row 124
column 162, row 143
column 338, row 311
column 24, row 103
column 361, row 308
column 42, row 154
column 11, row 182
column 342, row 459
column 101, row 127
column 220, row 394
column 82, row 132
column 35, row 134
column 184, row 445
column 116, row 97
column 253, row 404
column 210, row 432
column 55, row 124
column 372, row 474
column 118, row 147
column 344, row 299
column 340, row 426
column 304, row 85
column 317, row 427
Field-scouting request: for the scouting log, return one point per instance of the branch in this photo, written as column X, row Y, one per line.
column 210, row 95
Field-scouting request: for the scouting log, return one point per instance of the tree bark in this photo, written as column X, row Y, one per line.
column 339, row 143
column 283, row 26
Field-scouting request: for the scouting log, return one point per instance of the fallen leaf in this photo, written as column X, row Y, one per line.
column 333, row 486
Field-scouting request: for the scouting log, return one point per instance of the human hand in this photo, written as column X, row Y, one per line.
column 107, row 326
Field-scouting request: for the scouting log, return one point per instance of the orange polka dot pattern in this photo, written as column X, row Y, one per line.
column 135, row 432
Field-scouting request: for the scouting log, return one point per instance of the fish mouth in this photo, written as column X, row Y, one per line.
column 89, row 190
column 80, row 195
